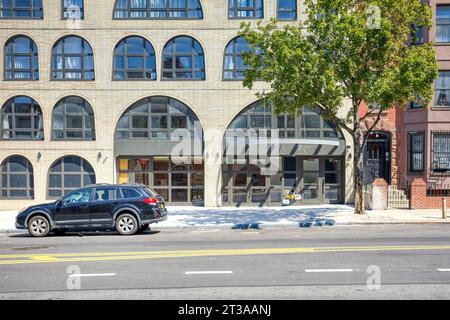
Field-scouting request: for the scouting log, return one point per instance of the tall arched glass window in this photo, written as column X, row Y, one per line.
column 134, row 59
column 158, row 9
column 17, row 178
column 183, row 59
column 245, row 9
column 21, row 59
column 21, row 9
column 21, row 118
column 308, row 124
column 72, row 59
column 73, row 118
column 234, row 66
column 67, row 174
column 156, row 118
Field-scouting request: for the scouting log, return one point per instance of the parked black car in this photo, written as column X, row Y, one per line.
column 128, row 208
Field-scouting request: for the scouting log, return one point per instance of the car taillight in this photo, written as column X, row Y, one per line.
column 151, row 201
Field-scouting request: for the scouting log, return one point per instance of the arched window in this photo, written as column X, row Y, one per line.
column 183, row 59
column 73, row 118
column 21, row 9
column 245, row 9
column 158, row 9
column 21, row 118
column 17, row 178
column 134, row 59
column 234, row 66
column 156, row 118
column 21, row 59
column 72, row 59
column 67, row 174
column 308, row 124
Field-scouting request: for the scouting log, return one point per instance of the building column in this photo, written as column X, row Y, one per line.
column 213, row 168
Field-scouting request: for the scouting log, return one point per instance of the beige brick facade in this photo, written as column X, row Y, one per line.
column 216, row 102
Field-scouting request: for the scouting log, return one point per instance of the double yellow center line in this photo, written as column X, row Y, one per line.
column 11, row 259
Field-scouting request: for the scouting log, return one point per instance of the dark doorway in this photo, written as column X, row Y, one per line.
column 377, row 156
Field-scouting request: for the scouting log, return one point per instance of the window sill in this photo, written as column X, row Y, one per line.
column 15, row 80
column 437, row 108
column 20, row 18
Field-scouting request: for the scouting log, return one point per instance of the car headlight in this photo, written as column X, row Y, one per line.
column 22, row 210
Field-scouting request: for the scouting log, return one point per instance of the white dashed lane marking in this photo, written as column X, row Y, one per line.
column 328, row 270
column 209, row 272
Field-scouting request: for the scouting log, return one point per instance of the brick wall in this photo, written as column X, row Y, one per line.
column 419, row 198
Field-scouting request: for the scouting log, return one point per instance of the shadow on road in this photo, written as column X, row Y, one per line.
column 73, row 234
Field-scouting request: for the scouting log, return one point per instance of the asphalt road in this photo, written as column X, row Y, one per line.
column 397, row 261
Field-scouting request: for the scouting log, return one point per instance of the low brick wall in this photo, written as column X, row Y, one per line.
column 419, row 198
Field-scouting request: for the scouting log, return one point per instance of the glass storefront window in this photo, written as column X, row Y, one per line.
column 172, row 178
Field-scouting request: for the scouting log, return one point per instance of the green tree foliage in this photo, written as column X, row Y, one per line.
column 355, row 50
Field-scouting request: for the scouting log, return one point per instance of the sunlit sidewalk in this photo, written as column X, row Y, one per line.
column 271, row 217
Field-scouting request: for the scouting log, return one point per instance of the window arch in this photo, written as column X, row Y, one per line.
column 158, row 9
column 21, row 59
column 156, row 118
column 73, row 118
column 183, row 59
column 21, row 118
column 134, row 59
column 17, row 178
column 72, row 59
column 234, row 66
column 308, row 124
column 23, row 9
column 67, row 174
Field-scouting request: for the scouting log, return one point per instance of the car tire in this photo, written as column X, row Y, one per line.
column 126, row 224
column 38, row 226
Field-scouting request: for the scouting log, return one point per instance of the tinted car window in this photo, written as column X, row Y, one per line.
column 129, row 193
column 78, row 196
column 106, row 194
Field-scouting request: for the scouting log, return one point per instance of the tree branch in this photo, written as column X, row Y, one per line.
column 373, row 125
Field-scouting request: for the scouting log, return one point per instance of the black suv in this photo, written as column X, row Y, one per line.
column 126, row 207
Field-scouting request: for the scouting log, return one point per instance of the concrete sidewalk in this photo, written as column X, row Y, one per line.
column 272, row 217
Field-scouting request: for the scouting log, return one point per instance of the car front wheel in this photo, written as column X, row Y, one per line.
column 126, row 224
column 38, row 226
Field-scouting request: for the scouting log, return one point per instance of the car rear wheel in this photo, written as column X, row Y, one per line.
column 126, row 224
column 38, row 226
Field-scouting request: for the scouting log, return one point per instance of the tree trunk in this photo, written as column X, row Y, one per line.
column 358, row 162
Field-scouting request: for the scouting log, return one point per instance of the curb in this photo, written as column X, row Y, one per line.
column 271, row 225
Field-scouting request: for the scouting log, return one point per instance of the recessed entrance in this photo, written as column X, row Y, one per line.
column 318, row 180
column 378, row 157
